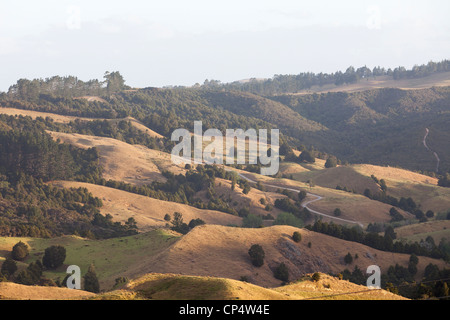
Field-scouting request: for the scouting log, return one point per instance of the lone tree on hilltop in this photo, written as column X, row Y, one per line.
column 297, row 236
column 316, row 277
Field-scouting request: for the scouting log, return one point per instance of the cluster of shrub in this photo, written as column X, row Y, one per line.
column 444, row 181
column 295, row 83
column 29, row 157
column 406, row 204
column 383, row 243
column 184, row 188
column 53, row 258
column 32, row 208
column 281, row 271
column 296, row 208
column 257, row 255
column 401, row 280
column 177, row 223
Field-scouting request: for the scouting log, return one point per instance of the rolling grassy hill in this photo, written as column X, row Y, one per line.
column 179, row 287
column 437, row 229
column 66, row 119
column 121, row 161
column 14, row 291
column 148, row 212
column 219, row 251
column 400, row 182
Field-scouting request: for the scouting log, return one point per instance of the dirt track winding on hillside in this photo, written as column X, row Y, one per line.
column 438, row 160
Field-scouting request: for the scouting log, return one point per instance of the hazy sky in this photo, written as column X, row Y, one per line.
column 176, row 42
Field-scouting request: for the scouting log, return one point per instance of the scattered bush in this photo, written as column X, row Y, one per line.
column 348, row 259
column 297, row 236
column 20, row 251
column 257, row 255
column 54, row 257
column 302, row 195
column 252, row 221
column 196, row 222
column 91, row 283
column 281, row 272
column 288, row 219
column 178, row 225
column 316, row 277
column 331, row 162
column 9, row 267
column 31, row 275
column 337, row 212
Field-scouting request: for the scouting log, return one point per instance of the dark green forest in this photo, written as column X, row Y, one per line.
column 381, row 127
column 29, row 158
column 280, row 84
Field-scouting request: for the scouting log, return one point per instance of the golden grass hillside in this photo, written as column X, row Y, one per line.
column 121, row 161
column 252, row 200
column 180, row 287
column 223, row 252
column 66, row 119
column 148, row 212
column 437, row 229
column 403, row 183
column 421, row 188
column 355, row 207
column 156, row 286
column 331, row 288
column 14, row 291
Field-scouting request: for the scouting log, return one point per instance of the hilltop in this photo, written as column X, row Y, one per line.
column 179, row 287
column 156, row 286
column 435, row 80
